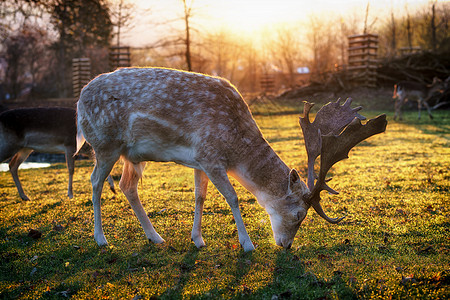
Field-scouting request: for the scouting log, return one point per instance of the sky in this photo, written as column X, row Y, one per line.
column 249, row 16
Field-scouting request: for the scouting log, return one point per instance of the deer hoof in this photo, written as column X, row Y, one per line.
column 100, row 239
column 157, row 240
column 248, row 246
column 103, row 243
column 199, row 243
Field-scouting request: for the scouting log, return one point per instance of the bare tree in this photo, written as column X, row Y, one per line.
column 409, row 30
column 223, row 52
column 433, row 27
column 122, row 12
column 26, row 56
column 427, row 27
column 321, row 39
column 393, row 36
column 285, row 48
column 187, row 41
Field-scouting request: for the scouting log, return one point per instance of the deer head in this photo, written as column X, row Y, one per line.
column 334, row 132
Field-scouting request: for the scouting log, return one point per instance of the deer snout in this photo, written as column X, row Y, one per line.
column 288, row 246
column 284, row 243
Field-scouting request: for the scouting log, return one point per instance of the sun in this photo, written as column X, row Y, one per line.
column 250, row 16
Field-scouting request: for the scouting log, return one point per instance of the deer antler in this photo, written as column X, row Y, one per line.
column 331, row 118
column 327, row 137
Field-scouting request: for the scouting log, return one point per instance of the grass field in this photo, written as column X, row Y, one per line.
column 394, row 242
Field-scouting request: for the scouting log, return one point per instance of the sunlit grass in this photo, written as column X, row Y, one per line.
column 394, row 241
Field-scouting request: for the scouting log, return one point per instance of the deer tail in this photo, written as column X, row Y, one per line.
column 395, row 92
column 80, row 138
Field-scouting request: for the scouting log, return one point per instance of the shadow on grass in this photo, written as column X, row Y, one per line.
column 440, row 124
column 187, row 266
column 290, row 281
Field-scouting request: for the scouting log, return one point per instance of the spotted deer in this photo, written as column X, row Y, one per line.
column 46, row 130
column 202, row 122
column 410, row 89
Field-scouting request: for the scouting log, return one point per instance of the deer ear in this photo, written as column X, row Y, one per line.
column 294, row 179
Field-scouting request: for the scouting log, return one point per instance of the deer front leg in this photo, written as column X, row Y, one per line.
column 419, row 107
column 128, row 184
column 398, row 108
column 220, row 180
column 201, row 187
column 14, row 164
column 70, row 161
column 98, row 177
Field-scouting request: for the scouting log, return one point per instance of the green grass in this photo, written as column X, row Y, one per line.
column 394, row 242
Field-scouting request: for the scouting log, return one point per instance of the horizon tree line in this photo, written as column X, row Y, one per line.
column 39, row 38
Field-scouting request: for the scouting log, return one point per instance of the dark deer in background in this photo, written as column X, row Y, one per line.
column 46, row 130
column 404, row 90
column 202, row 122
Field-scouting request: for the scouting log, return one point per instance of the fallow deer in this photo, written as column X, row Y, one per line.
column 202, row 122
column 46, row 130
column 407, row 89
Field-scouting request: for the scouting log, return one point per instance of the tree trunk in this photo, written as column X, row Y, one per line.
column 187, row 12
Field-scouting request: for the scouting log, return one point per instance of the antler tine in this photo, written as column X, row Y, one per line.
column 313, row 141
column 334, row 143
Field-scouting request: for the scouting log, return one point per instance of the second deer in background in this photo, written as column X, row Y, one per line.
column 46, row 130
column 410, row 89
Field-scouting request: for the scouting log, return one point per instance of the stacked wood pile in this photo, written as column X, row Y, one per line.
column 362, row 59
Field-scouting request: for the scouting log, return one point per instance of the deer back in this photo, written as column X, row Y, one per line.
column 167, row 115
column 40, row 127
column 411, row 88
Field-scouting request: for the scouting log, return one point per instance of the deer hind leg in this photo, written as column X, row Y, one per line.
column 70, row 161
column 201, row 187
column 128, row 184
column 219, row 178
column 101, row 170
column 14, row 164
column 425, row 103
column 111, row 184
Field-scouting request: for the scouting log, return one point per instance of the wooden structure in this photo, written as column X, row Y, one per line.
column 119, row 57
column 267, row 82
column 362, row 59
column 81, row 74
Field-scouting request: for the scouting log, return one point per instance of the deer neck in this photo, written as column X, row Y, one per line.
column 265, row 175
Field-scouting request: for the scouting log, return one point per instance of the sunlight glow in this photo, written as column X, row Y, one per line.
column 252, row 16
